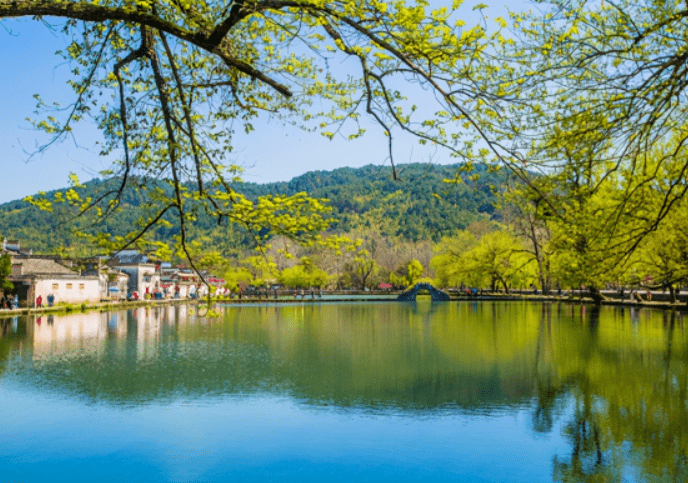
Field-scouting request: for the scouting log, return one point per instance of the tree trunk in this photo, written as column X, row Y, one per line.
column 672, row 293
column 596, row 295
column 543, row 284
column 547, row 288
column 538, row 258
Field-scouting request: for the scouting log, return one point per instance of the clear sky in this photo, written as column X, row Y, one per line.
column 272, row 153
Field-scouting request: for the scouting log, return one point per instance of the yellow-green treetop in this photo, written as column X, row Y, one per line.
column 601, row 86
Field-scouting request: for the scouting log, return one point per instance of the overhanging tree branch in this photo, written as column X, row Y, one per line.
column 96, row 13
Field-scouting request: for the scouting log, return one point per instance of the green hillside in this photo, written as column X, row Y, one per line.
column 418, row 206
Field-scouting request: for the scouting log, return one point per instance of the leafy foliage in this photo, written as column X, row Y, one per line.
column 602, row 116
column 170, row 84
column 5, row 271
column 496, row 258
column 304, row 275
column 407, row 275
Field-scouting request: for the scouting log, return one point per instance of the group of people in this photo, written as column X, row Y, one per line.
column 50, row 298
column 303, row 294
column 9, row 301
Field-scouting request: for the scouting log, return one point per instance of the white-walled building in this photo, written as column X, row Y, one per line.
column 35, row 276
column 113, row 283
column 144, row 277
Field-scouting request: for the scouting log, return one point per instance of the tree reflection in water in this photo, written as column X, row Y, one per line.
column 613, row 381
column 630, row 418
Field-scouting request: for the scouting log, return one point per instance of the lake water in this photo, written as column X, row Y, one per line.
column 386, row 391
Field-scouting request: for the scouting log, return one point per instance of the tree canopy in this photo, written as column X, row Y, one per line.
column 601, row 116
column 171, row 82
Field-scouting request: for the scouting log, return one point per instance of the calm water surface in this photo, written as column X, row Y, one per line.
column 403, row 392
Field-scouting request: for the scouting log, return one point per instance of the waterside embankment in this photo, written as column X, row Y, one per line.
column 657, row 300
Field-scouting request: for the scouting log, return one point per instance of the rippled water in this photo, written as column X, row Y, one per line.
column 456, row 391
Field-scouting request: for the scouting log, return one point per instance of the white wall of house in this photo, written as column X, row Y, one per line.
column 149, row 280
column 73, row 291
column 120, row 280
column 132, row 271
column 141, row 277
column 183, row 290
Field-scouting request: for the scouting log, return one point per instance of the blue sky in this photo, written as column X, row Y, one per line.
column 272, row 153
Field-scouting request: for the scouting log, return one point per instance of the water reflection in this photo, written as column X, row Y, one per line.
column 411, row 356
column 614, row 382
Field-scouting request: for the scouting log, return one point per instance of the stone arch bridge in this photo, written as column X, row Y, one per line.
column 436, row 294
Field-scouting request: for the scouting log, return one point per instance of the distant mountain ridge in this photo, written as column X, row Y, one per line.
column 418, row 206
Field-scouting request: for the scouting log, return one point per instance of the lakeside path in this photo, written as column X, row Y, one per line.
column 359, row 298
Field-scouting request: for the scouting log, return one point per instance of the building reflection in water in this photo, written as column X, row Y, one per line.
column 52, row 334
column 90, row 332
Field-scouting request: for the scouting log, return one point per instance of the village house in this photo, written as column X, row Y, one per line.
column 97, row 279
column 187, row 283
column 144, row 276
column 179, row 283
column 113, row 283
column 13, row 248
column 42, row 276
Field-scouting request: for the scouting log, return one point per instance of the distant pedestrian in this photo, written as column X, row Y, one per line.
column 39, row 301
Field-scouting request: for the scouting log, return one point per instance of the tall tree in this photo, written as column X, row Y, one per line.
column 304, row 275
column 448, row 253
column 496, row 258
column 602, row 90
column 664, row 253
column 527, row 215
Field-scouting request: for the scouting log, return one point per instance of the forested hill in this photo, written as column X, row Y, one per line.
column 417, row 206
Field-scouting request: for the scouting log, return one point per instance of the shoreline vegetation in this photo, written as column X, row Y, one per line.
column 658, row 300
